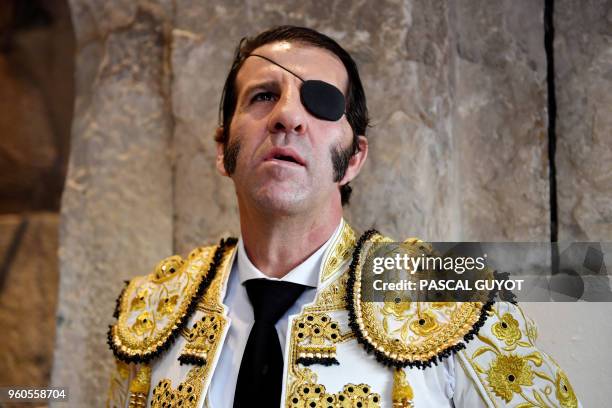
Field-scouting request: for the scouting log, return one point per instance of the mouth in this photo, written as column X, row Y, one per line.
column 284, row 155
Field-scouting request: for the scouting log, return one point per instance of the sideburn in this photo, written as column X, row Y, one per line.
column 230, row 156
column 340, row 160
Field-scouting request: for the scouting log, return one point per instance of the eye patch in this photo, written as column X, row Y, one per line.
column 322, row 99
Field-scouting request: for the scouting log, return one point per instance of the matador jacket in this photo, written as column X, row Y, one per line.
column 341, row 351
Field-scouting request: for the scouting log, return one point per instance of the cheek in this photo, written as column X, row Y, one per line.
column 248, row 134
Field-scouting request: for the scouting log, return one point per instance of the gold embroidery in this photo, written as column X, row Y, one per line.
column 396, row 304
column 386, row 326
column 186, row 395
column 211, row 301
column 402, row 394
column 168, row 268
column 340, row 253
column 316, row 335
column 144, row 324
column 314, row 395
column 149, row 310
column 139, row 387
column 424, row 324
column 507, row 330
column 507, row 374
column 201, row 338
column 166, row 305
column 333, row 297
column 329, row 299
column 117, row 392
column 565, row 392
column 526, row 376
column 318, row 329
column 441, row 305
column 139, row 303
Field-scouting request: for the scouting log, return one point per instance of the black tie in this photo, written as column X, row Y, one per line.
column 261, row 370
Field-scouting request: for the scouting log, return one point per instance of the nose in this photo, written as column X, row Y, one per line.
column 288, row 115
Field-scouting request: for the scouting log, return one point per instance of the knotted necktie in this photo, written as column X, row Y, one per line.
column 261, row 370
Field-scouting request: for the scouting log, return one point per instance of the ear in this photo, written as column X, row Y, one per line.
column 219, row 162
column 356, row 161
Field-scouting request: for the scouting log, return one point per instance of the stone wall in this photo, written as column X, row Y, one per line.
column 457, row 93
column 36, row 95
column 28, row 291
column 583, row 60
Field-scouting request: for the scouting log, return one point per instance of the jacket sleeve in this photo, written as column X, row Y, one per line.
column 502, row 366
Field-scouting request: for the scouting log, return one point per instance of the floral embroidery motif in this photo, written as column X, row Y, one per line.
column 201, row 338
column 507, row 374
column 401, row 332
column 167, row 268
column 396, row 305
column 166, row 305
column 152, row 309
column 516, row 371
column 316, row 335
column 139, row 303
column 565, row 392
column 507, row 329
column 143, row 324
column 186, row 395
column 311, row 395
column 341, row 252
column 424, row 324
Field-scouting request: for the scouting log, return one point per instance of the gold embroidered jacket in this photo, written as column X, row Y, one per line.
column 341, row 351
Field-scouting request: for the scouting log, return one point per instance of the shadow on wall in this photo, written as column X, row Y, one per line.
column 36, row 105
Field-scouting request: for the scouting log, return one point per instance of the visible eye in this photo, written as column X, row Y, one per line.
column 263, row 97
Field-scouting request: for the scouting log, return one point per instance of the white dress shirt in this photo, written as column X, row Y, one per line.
column 240, row 314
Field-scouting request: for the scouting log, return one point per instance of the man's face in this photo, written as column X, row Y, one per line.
column 283, row 154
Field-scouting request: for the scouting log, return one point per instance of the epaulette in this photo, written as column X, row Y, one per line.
column 153, row 309
column 408, row 333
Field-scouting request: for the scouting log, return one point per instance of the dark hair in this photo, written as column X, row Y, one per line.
column 356, row 108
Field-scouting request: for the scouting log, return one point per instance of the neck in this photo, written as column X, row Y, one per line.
column 276, row 245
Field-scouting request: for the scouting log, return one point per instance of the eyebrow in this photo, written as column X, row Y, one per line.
column 272, row 83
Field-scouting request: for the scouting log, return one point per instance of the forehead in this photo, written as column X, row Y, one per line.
column 307, row 61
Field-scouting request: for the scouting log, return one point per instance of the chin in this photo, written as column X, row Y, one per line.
column 282, row 201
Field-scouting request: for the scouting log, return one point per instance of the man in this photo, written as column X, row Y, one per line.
column 277, row 318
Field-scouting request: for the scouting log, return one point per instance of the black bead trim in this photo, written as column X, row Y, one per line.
column 119, row 299
column 382, row 357
column 204, row 284
column 188, row 359
column 307, row 361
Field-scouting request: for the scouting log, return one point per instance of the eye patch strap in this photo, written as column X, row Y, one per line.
column 323, row 100
column 278, row 65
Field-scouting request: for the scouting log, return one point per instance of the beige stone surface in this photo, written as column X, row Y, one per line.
column 28, row 297
column 583, row 59
column 499, row 123
column 117, row 204
column 36, row 101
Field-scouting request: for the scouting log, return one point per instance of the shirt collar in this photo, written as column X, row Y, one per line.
column 306, row 273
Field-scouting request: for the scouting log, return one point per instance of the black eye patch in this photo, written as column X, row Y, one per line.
column 322, row 99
